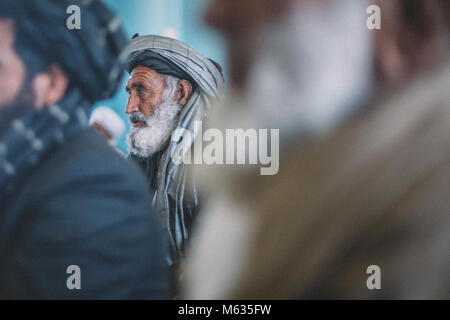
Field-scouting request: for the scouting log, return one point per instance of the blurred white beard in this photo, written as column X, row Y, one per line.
column 145, row 142
column 312, row 69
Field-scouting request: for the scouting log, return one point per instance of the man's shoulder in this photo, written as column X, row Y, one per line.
column 84, row 161
column 84, row 204
column 396, row 127
column 86, row 146
column 87, row 151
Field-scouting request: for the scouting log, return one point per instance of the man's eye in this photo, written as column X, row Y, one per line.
column 142, row 91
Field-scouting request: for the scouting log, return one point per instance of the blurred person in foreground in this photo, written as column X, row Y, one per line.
column 68, row 201
column 364, row 173
column 172, row 86
column 108, row 124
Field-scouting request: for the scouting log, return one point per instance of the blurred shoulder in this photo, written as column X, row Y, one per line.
column 87, row 161
column 90, row 152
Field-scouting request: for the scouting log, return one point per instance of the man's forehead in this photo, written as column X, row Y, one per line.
column 143, row 73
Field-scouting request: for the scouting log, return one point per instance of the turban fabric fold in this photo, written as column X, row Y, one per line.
column 158, row 63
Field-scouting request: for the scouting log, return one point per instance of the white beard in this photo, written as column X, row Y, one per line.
column 145, row 142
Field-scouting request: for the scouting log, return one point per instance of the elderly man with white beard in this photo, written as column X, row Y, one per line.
column 171, row 86
column 359, row 208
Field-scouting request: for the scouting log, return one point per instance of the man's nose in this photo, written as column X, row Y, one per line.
column 132, row 105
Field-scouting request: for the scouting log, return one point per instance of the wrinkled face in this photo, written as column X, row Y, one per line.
column 12, row 69
column 154, row 111
column 146, row 88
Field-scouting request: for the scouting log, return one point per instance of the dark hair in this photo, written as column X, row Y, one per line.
column 89, row 56
column 33, row 61
column 425, row 18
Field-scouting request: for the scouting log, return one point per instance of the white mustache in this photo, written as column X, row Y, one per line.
column 138, row 117
column 145, row 142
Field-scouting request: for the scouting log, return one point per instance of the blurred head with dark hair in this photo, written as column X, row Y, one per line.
column 320, row 57
column 241, row 21
column 41, row 59
column 363, row 168
column 414, row 37
column 414, row 33
column 50, row 74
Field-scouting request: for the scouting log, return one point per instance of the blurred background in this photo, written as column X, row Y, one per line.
column 180, row 19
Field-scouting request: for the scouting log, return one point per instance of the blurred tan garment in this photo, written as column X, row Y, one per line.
column 374, row 192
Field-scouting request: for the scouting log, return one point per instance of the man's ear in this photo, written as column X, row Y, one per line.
column 184, row 92
column 406, row 46
column 50, row 86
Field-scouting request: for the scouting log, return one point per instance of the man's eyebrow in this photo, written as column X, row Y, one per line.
column 138, row 85
column 135, row 85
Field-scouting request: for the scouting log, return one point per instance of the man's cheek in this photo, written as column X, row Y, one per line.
column 148, row 108
column 9, row 90
column 40, row 85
